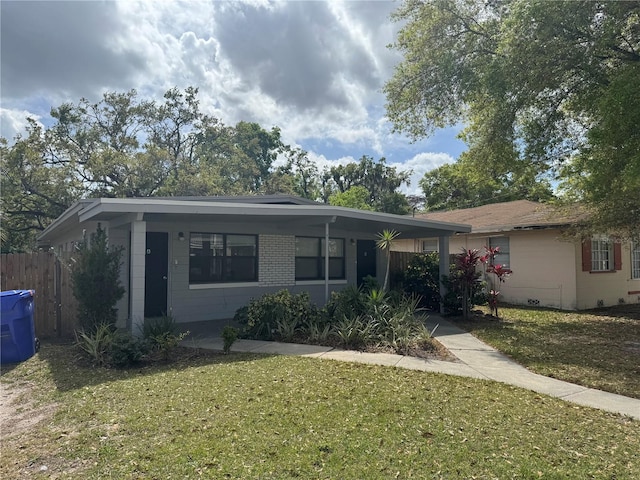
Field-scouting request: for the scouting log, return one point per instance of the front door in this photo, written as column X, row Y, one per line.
column 155, row 274
column 366, row 259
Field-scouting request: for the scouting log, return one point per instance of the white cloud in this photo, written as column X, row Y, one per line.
column 323, row 162
column 314, row 69
column 14, row 122
column 421, row 164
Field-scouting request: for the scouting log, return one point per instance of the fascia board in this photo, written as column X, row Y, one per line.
column 67, row 216
column 322, row 212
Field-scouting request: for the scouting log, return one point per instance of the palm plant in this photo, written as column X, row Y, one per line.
column 385, row 242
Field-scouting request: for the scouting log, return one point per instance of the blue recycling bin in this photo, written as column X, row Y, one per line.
column 18, row 340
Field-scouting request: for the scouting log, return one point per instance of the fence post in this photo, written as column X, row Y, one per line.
column 58, row 295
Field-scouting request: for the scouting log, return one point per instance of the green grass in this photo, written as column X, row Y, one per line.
column 271, row 417
column 598, row 349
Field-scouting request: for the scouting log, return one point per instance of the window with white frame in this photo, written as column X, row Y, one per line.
column 635, row 260
column 503, row 256
column 430, row 245
column 310, row 261
column 601, row 254
column 222, row 258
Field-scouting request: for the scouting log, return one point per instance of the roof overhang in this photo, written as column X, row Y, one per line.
column 518, row 228
column 181, row 210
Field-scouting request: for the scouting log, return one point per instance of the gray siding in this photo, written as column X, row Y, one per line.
column 220, row 302
column 276, row 270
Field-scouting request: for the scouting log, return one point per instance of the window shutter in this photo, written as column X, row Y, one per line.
column 586, row 255
column 617, row 255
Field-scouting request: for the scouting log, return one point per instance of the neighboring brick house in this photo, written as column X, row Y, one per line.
column 201, row 258
column 550, row 268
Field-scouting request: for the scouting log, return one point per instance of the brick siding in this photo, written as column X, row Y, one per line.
column 277, row 260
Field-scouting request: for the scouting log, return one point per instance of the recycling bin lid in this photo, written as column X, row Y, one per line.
column 9, row 298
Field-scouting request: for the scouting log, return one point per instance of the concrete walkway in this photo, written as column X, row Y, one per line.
column 475, row 359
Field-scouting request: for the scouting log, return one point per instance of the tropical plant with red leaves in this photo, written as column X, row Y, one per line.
column 466, row 276
column 500, row 271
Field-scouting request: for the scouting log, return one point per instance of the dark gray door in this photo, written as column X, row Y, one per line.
column 366, row 259
column 155, row 274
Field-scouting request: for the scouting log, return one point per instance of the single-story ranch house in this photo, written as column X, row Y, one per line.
column 202, row 258
column 549, row 268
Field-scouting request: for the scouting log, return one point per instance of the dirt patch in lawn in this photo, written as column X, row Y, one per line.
column 18, row 411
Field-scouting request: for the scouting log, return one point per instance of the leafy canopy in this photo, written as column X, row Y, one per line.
column 536, row 83
column 126, row 146
column 379, row 180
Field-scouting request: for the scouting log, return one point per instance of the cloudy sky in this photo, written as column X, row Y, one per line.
column 314, row 69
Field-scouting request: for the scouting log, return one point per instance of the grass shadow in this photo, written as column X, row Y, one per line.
column 596, row 348
column 631, row 311
column 69, row 369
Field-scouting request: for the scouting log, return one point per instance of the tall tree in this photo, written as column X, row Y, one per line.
column 607, row 172
column 380, row 180
column 527, row 77
column 305, row 175
column 100, row 143
column 356, row 197
column 260, row 147
column 239, row 160
column 32, row 195
column 461, row 185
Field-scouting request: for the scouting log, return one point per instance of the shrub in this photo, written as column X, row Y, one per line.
column 286, row 328
column 316, row 329
column 453, row 300
column 159, row 326
column 95, row 275
column 126, row 350
column 353, row 318
column 162, row 334
column 369, row 283
column 276, row 314
column 229, row 336
column 382, row 319
column 349, row 302
column 465, row 284
column 421, row 277
column 108, row 347
column 403, row 325
column 97, row 342
column 376, row 304
column 354, row 332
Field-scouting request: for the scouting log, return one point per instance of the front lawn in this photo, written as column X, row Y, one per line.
column 598, row 348
column 274, row 417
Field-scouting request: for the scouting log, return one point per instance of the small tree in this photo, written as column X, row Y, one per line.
column 500, row 271
column 96, row 281
column 384, row 243
column 466, row 277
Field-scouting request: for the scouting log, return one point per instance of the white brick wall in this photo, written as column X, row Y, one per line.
column 277, row 260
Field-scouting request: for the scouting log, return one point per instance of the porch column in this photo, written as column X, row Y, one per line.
column 326, row 262
column 443, row 254
column 326, row 258
column 136, row 275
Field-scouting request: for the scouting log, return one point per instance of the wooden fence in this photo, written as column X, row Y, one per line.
column 54, row 304
column 398, row 263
